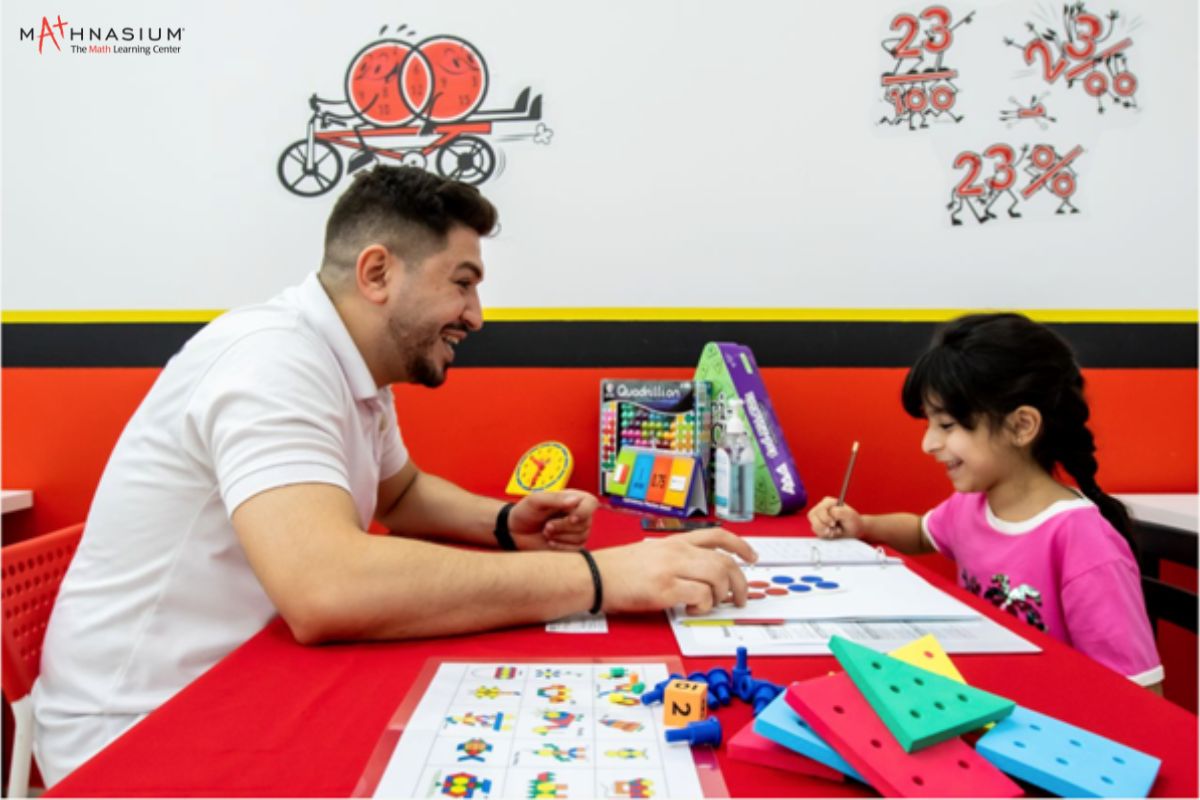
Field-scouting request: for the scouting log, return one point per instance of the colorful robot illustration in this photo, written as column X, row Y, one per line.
column 917, row 95
column 412, row 102
column 473, row 749
column 496, row 722
column 628, row 754
column 464, row 785
column 563, row 755
column 635, row 789
column 1076, row 52
column 555, row 693
column 545, row 786
column 623, row 725
column 556, row 721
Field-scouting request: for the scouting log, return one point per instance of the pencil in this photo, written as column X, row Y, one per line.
column 846, row 480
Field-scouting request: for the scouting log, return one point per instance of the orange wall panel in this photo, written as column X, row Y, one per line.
column 59, row 426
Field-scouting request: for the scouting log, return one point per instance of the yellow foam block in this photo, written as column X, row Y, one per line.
column 927, row 653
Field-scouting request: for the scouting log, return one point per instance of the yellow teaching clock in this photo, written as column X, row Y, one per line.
column 545, row 467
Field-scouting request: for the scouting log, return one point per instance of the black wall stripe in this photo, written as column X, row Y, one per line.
column 624, row 344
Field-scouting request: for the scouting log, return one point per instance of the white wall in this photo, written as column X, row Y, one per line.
column 703, row 154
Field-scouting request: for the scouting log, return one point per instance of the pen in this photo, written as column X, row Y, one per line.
column 846, row 480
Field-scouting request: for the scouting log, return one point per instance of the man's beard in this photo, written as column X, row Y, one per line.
column 414, row 354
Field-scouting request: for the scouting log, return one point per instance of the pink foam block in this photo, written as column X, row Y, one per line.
column 746, row 745
column 838, row 712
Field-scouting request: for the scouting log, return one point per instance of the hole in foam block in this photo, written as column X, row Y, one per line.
column 918, row 780
column 839, row 710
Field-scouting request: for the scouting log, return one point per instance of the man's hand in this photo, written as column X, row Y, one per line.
column 552, row 520
column 684, row 568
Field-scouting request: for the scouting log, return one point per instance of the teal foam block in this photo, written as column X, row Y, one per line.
column 1066, row 760
column 919, row 707
column 779, row 723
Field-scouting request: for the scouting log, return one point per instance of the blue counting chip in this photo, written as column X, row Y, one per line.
column 827, row 585
column 812, row 578
column 785, row 579
column 800, row 587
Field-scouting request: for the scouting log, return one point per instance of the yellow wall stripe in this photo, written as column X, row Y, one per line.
column 608, row 314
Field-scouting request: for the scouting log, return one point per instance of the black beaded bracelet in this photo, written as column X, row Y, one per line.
column 503, row 537
column 597, row 586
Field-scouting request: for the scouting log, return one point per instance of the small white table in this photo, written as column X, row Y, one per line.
column 16, row 499
column 1170, row 510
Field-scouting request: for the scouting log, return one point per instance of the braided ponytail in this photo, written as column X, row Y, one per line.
column 1068, row 441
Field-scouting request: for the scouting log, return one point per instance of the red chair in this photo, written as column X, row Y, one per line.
column 30, row 572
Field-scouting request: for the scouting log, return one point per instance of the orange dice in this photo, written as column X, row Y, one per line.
column 684, row 702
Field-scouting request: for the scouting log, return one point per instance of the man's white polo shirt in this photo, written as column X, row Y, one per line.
column 160, row 589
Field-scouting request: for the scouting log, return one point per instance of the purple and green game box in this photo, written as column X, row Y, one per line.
column 732, row 371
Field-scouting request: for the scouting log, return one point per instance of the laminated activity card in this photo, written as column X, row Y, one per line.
column 539, row 729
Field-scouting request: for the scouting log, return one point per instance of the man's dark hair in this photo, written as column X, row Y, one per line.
column 406, row 209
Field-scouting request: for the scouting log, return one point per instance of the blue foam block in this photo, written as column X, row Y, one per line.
column 781, row 725
column 1066, row 760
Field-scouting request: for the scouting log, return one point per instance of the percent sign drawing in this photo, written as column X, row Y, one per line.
column 1054, row 173
column 916, row 96
column 1101, row 73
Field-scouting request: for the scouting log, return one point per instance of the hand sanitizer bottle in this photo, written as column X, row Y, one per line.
column 734, row 489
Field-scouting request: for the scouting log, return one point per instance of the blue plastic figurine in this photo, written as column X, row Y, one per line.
column 655, row 695
column 741, row 675
column 720, row 684
column 706, row 731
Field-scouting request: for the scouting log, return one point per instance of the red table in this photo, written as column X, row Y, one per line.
column 278, row 719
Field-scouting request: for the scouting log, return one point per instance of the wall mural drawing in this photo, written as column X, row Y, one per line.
column 415, row 101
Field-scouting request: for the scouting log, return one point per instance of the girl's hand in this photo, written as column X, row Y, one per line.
column 831, row 521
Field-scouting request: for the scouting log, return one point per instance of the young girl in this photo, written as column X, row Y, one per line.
column 1004, row 400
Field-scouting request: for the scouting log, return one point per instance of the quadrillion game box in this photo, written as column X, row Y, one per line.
column 731, row 370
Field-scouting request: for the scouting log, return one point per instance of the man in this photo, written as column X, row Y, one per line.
column 244, row 483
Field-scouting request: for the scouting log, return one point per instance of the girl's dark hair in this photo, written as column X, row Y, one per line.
column 984, row 366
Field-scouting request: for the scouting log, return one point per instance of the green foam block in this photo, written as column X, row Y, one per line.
column 919, row 707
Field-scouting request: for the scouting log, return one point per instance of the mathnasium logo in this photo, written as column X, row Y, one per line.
column 103, row 39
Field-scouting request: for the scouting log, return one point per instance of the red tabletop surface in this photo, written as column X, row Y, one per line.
column 275, row 718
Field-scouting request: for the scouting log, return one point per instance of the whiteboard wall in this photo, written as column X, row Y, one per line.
column 701, row 154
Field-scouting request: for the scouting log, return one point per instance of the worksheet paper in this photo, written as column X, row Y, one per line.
column 538, row 730
column 980, row 635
